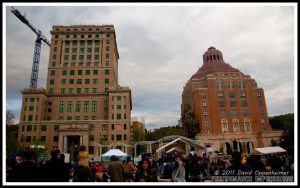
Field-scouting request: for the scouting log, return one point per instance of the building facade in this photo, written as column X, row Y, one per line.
column 225, row 107
column 83, row 103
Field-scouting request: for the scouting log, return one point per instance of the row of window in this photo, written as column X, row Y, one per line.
column 232, row 104
column 104, row 127
column 97, row 42
column 236, row 127
column 81, row 57
column 231, row 95
column 230, row 84
column 81, row 36
column 80, row 64
column 234, row 113
column 32, row 99
column 78, row 90
column 117, row 137
column 79, row 72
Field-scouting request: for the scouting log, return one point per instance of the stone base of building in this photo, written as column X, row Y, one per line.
column 244, row 142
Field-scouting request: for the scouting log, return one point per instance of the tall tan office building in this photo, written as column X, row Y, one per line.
column 83, row 103
column 226, row 108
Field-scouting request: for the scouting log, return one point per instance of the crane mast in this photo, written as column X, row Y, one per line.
column 37, row 47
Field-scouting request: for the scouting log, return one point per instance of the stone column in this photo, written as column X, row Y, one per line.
column 150, row 149
column 65, row 144
column 80, row 143
column 85, row 140
column 100, row 152
column 61, row 142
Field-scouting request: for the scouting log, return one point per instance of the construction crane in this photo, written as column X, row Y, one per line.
column 37, row 47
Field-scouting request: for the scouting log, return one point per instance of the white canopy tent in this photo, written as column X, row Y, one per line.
column 268, row 150
column 115, row 152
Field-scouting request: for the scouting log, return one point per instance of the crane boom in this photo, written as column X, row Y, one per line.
column 37, row 47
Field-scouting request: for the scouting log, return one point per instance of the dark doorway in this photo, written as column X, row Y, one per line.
column 73, row 144
column 228, row 149
column 235, row 145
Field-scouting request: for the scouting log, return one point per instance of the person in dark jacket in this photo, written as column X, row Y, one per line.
column 55, row 170
column 27, row 170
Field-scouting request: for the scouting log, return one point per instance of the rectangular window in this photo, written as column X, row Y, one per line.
column 87, row 81
column 104, row 138
column 118, row 116
column 63, row 90
column 55, row 138
column 51, row 82
column 112, row 126
column 52, row 72
column 245, row 113
column 91, row 150
column 79, row 81
column 206, row 124
column 220, row 95
column 107, row 63
column 28, row 138
column 94, row 106
column 61, row 106
column 70, row 106
column 258, row 94
column 105, row 117
column 244, row 103
column 43, row 138
column 125, row 137
column 204, row 104
column 56, row 127
column 86, row 106
column 87, row 72
column 205, row 113
column 71, row 90
column 221, row 104
column 77, row 117
column 112, row 137
column 64, row 72
column 81, row 57
column 94, row 90
column 72, row 72
column 97, row 49
column 30, row 117
column 223, row 113
column 95, row 81
column 73, row 57
column 231, row 95
column 95, row 72
column 119, row 137
column 107, row 56
column 29, row 127
column 243, row 95
column 234, row 113
column 124, row 106
column 91, row 138
column 106, row 81
column 104, row 127
column 74, row 50
column 96, row 57
column 236, row 127
column 44, row 127
column 247, row 127
column 106, row 71
column 86, row 90
column 232, row 104
column 118, row 107
column 78, row 90
column 125, row 126
column 85, row 117
column 224, row 127
column 71, row 81
column 124, row 116
column 78, row 104
column 118, row 98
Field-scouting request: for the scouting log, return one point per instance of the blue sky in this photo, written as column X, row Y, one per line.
column 161, row 47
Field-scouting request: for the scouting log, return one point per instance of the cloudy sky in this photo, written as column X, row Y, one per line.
column 161, row 47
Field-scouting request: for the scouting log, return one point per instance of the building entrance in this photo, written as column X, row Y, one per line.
column 72, row 149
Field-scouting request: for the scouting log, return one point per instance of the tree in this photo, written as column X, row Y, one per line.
column 11, row 135
column 138, row 135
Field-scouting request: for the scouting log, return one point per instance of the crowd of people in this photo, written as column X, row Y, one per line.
column 172, row 168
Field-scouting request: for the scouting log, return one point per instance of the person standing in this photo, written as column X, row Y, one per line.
column 55, row 170
column 83, row 169
column 129, row 169
column 115, row 170
column 27, row 170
